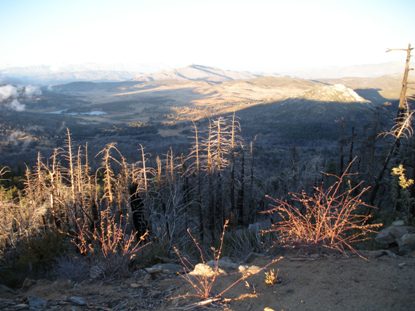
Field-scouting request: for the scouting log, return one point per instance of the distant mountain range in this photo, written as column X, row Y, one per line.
column 361, row 71
column 49, row 75
column 197, row 73
column 46, row 75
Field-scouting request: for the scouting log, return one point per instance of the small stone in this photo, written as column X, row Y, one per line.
column 249, row 270
column 202, row 269
column 406, row 243
column 77, row 300
column 167, row 268
column 380, row 252
column 140, row 273
column 36, row 303
column 268, row 309
column 134, row 285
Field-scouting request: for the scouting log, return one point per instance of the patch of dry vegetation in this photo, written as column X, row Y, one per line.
column 334, row 217
column 112, row 208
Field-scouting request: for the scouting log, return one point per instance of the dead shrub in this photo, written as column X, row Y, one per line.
column 107, row 238
column 108, row 244
column 332, row 217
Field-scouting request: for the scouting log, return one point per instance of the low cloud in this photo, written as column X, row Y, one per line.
column 21, row 138
column 16, row 105
column 10, row 96
column 7, row 91
column 32, row 91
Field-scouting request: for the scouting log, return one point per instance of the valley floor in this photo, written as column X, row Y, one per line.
column 328, row 282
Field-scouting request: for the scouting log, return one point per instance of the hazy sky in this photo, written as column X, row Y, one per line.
column 256, row 35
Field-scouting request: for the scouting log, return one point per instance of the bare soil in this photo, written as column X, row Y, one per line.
column 329, row 282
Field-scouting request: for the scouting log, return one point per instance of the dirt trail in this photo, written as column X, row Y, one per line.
column 306, row 283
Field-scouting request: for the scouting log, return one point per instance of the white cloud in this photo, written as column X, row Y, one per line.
column 7, row 91
column 32, row 91
column 10, row 95
column 16, row 105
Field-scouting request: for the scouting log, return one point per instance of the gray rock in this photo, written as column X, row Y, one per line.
column 401, row 265
column 139, row 274
column 398, row 222
column 79, row 301
column 391, row 234
column 406, row 243
column 36, row 303
column 382, row 252
column 167, row 268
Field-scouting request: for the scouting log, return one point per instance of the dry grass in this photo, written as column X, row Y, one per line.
column 108, row 238
column 98, row 207
column 271, row 277
column 331, row 217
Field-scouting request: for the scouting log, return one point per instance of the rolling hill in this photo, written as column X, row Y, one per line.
column 157, row 109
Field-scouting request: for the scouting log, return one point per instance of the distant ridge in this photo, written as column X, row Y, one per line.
column 362, row 71
column 44, row 75
column 197, row 73
column 52, row 75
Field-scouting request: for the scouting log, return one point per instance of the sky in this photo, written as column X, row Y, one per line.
column 258, row 36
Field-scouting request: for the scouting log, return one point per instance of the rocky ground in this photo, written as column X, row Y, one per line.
column 310, row 279
column 384, row 281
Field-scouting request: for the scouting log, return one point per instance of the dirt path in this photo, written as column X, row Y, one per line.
column 339, row 284
column 307, row 283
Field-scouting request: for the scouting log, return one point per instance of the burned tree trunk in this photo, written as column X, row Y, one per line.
column 139, row 213
column 241, row 193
